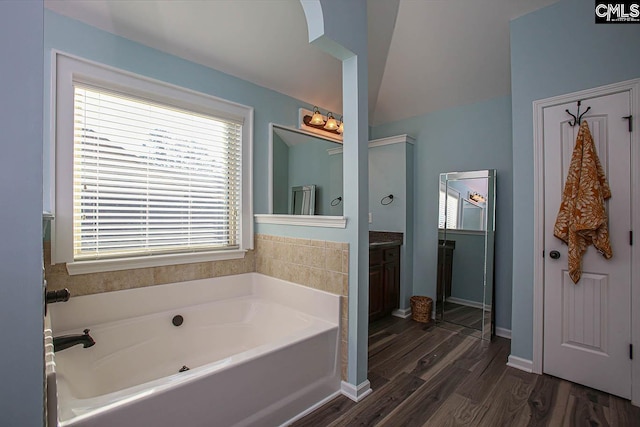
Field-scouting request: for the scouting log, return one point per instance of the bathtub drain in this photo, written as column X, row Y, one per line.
column 177, row 320
column 183, row 369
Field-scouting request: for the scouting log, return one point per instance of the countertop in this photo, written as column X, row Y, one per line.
column 385, row 238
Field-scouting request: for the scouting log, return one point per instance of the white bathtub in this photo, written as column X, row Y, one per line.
column 260, row 351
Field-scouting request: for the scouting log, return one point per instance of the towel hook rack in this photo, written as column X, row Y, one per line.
column 577, row 119
column 386, row 200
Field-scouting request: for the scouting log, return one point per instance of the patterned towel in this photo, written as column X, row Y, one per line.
column 582, row 219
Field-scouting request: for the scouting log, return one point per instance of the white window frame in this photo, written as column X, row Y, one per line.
column 450, row 193
column 66, row 70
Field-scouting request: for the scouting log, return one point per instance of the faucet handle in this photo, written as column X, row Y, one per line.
column 60, row 295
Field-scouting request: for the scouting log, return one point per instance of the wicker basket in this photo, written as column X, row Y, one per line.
column 421, row 308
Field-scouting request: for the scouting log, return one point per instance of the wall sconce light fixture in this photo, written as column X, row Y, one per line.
column 477, row 197
column 314, row 121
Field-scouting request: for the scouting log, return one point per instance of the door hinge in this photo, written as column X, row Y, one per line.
column 630, row 237
column 631, row 351
column 630, row 120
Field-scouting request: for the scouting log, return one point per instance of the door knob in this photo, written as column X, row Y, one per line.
column 554, row 254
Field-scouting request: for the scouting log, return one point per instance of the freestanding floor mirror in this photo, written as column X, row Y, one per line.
column 466, row 235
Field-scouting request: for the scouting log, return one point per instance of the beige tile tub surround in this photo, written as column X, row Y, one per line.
column 93, row 283
column 318, row 264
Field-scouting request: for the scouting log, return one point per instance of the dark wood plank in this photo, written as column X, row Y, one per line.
column 383, row 341
column 588, row 394
column 376, row 381
column 588, row 407
column 370, row 411
column 508, row 403
column 327, row 413
column 406, row 341
column 485, row 377
column 457, row 411
column 463, row 315
column 542, row 400
column 403, row 360
column 622, row 413
column 384, row 323
column 421, row 405
column 388, row 336
column 478, row 352
column 559, row 413
column 461, row 329
column 426, row 363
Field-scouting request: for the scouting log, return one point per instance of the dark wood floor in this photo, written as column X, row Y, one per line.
column 470, row 317
column 423, row 375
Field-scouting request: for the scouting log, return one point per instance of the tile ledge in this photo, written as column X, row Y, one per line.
column 303, row 220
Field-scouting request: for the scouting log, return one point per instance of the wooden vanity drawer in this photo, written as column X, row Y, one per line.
column 391, row 254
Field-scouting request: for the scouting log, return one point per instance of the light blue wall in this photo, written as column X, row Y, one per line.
column 309, row 164
column 387, row 175
column 21, row 390
column 280, row 175
column 335, row 183
column 470, row 137
column 554, row 51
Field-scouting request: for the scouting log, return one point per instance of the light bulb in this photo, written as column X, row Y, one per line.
column 332, row 123
column 316, row 119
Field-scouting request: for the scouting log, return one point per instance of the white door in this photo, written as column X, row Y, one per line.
column 587, row 326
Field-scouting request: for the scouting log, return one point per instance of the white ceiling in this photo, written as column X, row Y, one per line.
column 424, row 55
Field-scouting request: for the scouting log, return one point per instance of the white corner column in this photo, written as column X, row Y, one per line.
column 344, row 35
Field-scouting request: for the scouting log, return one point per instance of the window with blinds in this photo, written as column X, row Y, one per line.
column 152, row 179
column 448, row 212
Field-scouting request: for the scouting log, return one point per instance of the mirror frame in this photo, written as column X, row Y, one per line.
column 488, row 325
column 302, row 220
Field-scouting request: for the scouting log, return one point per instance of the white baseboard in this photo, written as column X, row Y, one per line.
column 466, row 302
column 520, row 363
column 356, row 393
column 503, row 332
column 403, row 313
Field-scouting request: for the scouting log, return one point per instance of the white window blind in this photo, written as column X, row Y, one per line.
column 448, row 214
column 151, row 178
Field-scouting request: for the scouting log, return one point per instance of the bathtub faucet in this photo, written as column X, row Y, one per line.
column 66, row 341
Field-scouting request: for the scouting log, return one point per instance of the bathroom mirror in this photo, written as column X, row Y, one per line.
column 303, row 200
column 466, row 234
column 306, row 173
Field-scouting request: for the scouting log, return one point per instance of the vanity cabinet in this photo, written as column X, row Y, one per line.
column 384, row 280
column 445, row 268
